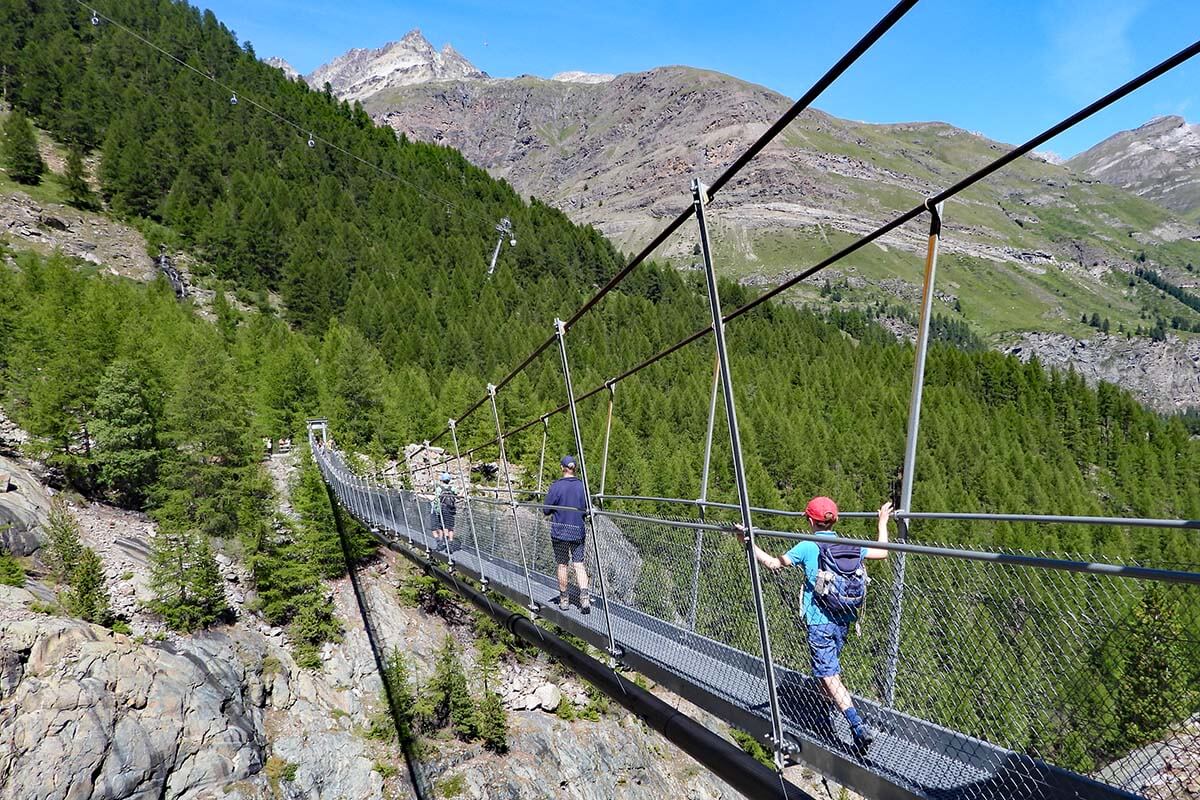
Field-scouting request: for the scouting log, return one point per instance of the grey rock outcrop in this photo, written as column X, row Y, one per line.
column 50, row 227
column 95, row 715
column 280, row 64
column 22, row 508
column 1164, row 375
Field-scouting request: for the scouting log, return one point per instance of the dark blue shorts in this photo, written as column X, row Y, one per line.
column 825, row 643
column 567, row 552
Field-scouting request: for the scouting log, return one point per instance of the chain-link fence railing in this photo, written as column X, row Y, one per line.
column 1026, row 675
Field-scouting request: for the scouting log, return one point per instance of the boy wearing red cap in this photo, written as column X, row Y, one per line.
column 829, row 625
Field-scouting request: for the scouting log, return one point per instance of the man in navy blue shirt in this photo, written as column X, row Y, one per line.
column 565, row 505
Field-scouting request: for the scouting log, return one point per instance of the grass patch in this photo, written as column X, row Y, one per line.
column 453, row 786
column 277, row 770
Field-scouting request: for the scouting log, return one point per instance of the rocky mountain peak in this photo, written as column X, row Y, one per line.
column 359, row 73
column 1159, row 160
column 281, row 64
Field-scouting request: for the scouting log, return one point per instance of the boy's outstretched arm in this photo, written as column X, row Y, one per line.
column 885, row 514
column 766, row 559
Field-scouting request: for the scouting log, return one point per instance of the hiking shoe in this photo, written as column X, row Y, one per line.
column 864, row 736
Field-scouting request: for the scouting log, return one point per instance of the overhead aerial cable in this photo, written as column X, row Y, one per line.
column 925, row 206
column 236, row 97
column 834, row 72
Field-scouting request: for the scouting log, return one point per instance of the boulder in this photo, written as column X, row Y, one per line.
column 548, row 696
column 23, row 508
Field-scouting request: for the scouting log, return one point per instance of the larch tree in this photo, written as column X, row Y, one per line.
column 22, row 160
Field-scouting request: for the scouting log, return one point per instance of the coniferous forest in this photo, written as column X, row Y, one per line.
column 364, row 299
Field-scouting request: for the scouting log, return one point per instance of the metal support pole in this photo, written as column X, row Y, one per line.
column 561, row 331
column 355, row 497
column 910, row 451
column 377, row 495
column 512, row 499
column 612, row 398
column 708, row 436
column 483, row 581
column 739, row 472
column 542, row 458
column 363, row 499
column 404, row 511
column 708, row 439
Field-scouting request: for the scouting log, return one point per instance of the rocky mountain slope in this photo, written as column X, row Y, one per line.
column 1032, row 249
column 1159, row 161
column 359, row 73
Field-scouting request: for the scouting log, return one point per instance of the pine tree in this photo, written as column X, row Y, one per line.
column 492, row 719
column 21, row 156
column 126, row 448
column 88, row 596
column 64, row 548
column 79, row 192
column 11, row 571
column 189, row 590
column 314, row 624
column 317, row 539
column 399, row 683
column 493, row 722
column 451, row 698
column 208, row 469
column 227, row 317
column 1156, row 690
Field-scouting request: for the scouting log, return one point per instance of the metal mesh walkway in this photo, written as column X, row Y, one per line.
column 984, row 705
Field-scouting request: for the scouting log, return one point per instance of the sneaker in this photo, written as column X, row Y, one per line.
column 864, row 736
column 564, row 604
column 585, row 605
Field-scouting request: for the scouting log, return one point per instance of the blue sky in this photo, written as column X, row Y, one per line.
column 1005, row 68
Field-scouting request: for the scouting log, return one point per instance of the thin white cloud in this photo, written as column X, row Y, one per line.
column 1090, row 44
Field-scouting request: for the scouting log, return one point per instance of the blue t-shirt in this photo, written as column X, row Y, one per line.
column 566, row 526
column 807, row 555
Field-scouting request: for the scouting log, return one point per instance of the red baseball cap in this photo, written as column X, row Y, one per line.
column 821, row 511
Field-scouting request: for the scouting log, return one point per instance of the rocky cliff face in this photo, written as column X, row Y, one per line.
column 1166, row 375
column 359, row 73
column 1159, row 161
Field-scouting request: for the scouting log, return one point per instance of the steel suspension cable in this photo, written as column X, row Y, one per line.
column 1136, row 83
column 301, row 129
column 824, row 82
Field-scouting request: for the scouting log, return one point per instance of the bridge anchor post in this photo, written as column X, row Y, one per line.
column 699, row 198
column 910, row 452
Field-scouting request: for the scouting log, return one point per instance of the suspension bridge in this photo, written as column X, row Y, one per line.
column 683, row 602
